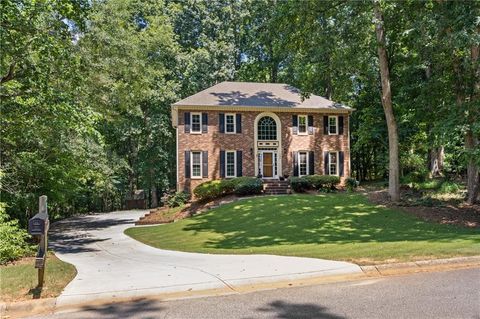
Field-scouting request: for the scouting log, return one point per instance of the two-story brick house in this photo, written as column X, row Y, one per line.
column 237, row 129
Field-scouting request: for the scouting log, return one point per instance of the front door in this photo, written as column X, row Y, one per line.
column 267, row 164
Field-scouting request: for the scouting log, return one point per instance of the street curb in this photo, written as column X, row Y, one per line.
column 29, row 307
column 421, row 266
column 48, row 305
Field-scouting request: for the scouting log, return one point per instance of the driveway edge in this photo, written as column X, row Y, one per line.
column 48, row 305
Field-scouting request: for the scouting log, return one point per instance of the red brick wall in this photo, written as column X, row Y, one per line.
column 213, row 142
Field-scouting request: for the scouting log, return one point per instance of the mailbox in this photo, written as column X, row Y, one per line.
column 38, row 224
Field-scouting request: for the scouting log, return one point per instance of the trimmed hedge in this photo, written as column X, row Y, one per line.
column 300, row 184
column 239, row 186
column 323, row 183
column 209, row 190
column 248, row 186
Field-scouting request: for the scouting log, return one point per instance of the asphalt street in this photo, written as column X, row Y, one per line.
column 450, row 294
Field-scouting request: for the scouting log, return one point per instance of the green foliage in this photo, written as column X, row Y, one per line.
column 449, row 187
column 323, row 183
column 177, row 199
column 351, row 184
column 209, row 190
column 247, row 186
column 299, row 184
column 13, row 239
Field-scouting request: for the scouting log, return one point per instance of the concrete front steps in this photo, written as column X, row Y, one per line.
column 276, row 187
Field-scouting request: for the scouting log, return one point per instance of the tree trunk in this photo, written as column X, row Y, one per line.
column 436, row 157
column 472, row 141
column 154, row 197
column 393, row 162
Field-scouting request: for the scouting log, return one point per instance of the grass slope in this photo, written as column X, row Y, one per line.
column 19, row 280
column 331, row 226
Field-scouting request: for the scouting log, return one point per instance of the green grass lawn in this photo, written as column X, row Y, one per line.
column 332, row 226
column 19, row 280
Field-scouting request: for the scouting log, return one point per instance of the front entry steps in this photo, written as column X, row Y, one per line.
column 276, row 187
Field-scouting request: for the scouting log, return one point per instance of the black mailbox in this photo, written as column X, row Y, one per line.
column 38, row 224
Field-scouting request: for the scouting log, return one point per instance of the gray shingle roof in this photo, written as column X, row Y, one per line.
column 250, row 94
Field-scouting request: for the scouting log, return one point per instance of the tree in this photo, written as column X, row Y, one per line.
column 394, row 170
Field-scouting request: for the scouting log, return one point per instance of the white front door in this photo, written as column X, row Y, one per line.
column 268, row 164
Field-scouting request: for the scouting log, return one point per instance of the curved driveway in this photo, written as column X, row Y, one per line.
column 110, row 264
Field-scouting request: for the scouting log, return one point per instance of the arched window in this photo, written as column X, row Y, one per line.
column 267, row 129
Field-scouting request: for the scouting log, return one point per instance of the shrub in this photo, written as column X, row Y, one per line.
column 230, row 184
column 351, row 184
column 449, row 187
column 177, row 199
column 247, row 186
column 209, row 190
column 13, row 239
column 300, row 184
column 323, row 183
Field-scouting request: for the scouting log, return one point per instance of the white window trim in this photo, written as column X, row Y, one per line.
column 234, row 164
column 337, row 163
column 191, row 165
column 191, row 123
column 234, row 123
column 306, row 125
column 298, row 161
column 336, row 126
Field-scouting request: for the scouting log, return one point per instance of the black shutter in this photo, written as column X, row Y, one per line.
column 340, row 125
column 311, row 163
column 294, row 124
column 204, row 122
column 310, row 124
column 221, row 122
column 222, row 164
column 205, row 164
column 186, row 122
column 325, row 125
column 239, row 123
column 325, row 163
column 239, row 163
column 187, row 164
column 340, row 163
column 295, row 163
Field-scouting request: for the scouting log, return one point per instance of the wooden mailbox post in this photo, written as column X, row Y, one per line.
column 38, row 226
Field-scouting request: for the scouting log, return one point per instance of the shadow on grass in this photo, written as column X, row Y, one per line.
column 322, row 219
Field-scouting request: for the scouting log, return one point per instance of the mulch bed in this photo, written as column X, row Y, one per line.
column 449, row 213
column 161, row 215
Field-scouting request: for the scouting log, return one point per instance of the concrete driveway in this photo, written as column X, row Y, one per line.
column 112, row 265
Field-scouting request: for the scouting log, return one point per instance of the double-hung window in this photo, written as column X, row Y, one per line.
column 333, row 163
column 302, row 124
column 196, row 162
column 196, row 122
column 230, row 123
column 230, row 164
column 332, row 125
column 302, row 163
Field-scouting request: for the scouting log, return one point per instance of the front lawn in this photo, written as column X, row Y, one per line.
column 19, row 280
column 331, row 226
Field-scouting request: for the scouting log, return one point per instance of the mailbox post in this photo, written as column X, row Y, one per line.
column 38, row 226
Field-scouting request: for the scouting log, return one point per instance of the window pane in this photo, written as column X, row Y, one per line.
column 267, row 129
column 196, row 123
column 333, row 164
column 230, row 123
column 302, row 161
column 302, row 124
column 332, row 125
column 230, row 160
column 196, row 164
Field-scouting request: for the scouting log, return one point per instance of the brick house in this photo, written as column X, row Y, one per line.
column 237, row 129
